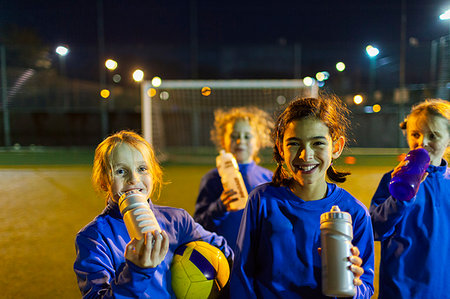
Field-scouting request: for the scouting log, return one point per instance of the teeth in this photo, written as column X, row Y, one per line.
column 307, row 168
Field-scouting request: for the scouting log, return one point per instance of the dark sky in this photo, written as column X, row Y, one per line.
column 338, row 28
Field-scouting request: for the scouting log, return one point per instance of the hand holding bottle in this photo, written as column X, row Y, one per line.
column 408, row 175
column 148, row 252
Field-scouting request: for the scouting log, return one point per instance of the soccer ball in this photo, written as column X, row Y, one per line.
column 198, row 270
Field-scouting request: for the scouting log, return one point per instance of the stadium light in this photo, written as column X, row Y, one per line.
column 340, row 66
column 372, row 52
column 62, row 50
column 138, row 75
column 156, row 81
column 111, row 64
column 445, row 15
column 358, row 99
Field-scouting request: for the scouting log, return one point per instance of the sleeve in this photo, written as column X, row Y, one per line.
column 209, row 209
column 242, row 276
column 363, row 239
column 385, row 210
column 97, row 277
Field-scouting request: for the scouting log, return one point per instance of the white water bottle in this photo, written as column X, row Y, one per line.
column 137, row 215
column 232, row 179
column 336, row 234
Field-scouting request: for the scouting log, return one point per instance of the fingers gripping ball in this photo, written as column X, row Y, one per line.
column 198, row 270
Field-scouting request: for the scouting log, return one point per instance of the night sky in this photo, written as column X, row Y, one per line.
column 328, row 31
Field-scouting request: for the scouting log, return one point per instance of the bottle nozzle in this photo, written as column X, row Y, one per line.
column 335, row 209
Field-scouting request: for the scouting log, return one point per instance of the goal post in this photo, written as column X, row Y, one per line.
column 179, row 114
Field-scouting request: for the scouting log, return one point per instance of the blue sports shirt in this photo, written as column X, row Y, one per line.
column 277, row 248
column 415, row 238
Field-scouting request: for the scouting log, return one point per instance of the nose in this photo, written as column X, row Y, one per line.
column 303, row 154
column 423, row 141
column 133, row 178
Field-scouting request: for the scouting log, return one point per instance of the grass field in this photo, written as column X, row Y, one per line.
column 44, row 205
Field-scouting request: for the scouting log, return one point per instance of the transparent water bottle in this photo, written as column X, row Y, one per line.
column 137, row 215
column 405, row 183
column 336, row 234
column 232, row 179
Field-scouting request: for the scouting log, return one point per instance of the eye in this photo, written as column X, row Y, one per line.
column 143, row 169
column 432, row 136
column 234, row 136
column 120, row 172
column 248, row 136
column 292, row 143
column 318, row 143
column 415, row 135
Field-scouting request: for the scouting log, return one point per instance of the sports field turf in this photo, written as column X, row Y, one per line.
column 44, row 205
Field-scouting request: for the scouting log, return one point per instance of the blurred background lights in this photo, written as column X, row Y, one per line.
column 151, row 92
column 340, row 66
column 372, row 51
column 206, row 91
column 368, row 109
column 164, row 95
column 281, row 100
column 156, row 81
column 445, row 15
column 320, row 76
column 116, row 78
column 357, row 99
column 111, row 64
column 62, row 50
column 308, row 81
column 321, row 83
column 138, row 75
column 376, row 108
column 104, row 93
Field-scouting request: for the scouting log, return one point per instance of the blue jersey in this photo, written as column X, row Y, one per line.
column 102, row 270
column 415, row 238
column 209, row 209
column 277, row 247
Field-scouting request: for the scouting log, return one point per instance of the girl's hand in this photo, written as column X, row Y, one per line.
column 356, row 266
column 148, row 252
column 403, row 164
column 227, row 198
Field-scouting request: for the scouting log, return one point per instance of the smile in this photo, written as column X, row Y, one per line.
column 307, row 168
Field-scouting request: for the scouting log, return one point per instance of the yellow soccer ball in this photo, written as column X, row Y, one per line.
column 198, row 270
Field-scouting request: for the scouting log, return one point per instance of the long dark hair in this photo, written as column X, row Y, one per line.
column 327, row 108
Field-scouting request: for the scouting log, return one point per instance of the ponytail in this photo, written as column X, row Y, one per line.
column 336, row 176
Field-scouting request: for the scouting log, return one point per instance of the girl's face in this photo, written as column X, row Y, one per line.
column 129, row 172
column 428, row 132
column 308, row 149
column 240, row 140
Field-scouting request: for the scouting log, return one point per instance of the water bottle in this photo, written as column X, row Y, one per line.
column 232, row 179
column 137, row 215
column 336, row 234
column 405, row 183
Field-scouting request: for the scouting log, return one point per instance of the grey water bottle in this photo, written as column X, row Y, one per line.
column 336, row 234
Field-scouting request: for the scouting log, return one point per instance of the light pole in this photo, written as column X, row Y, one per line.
column 372, row 52
column 446, row 17
column 62, row 52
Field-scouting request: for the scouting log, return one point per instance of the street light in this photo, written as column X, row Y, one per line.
column 372, row 52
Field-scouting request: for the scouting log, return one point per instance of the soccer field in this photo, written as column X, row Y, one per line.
column 43, row 207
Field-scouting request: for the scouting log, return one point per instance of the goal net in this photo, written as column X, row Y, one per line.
column 177, row 116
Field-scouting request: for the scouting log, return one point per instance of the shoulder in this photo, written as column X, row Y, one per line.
column 211, row 174
column 266, row 190
column 349, row 202
column 99, row 226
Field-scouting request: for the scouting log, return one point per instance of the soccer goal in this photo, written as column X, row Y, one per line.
column 179, row 114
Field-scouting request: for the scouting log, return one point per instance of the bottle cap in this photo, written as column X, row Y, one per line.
column 335, row 213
